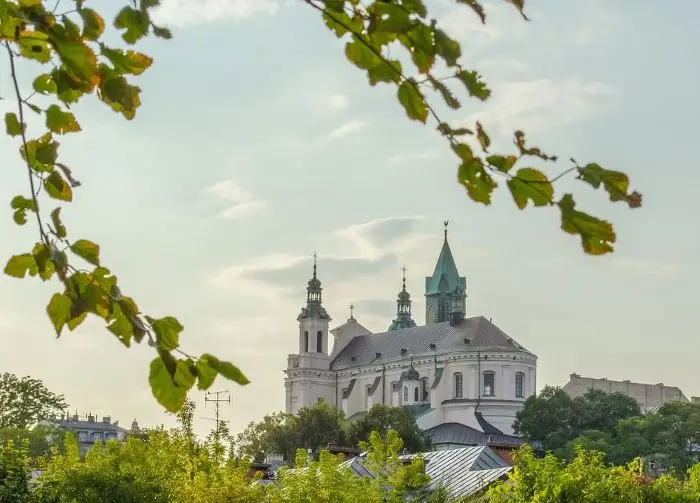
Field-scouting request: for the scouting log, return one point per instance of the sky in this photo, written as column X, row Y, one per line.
column 258, row 144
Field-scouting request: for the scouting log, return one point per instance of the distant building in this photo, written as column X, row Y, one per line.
column 462, row 378
column 649, row 396
column 89, row 430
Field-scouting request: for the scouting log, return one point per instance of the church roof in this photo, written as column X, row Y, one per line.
column 446, row 268
column 470, row 335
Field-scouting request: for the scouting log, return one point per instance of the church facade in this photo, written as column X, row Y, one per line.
column 462, row 377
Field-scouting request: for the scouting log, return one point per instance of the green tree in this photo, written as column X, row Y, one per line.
column 68, row 56
column 14, row 473
column 25, row 401
column 39, row 439
column 275, row 434
column 381, row 419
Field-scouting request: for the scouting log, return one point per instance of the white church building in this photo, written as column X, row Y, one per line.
column 462, row 377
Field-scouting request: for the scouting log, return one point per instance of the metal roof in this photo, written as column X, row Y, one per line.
column 470, row 335
column 459, row 434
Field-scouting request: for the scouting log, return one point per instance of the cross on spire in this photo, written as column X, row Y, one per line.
column 314, row 264
column 446, row 223
column 352, row 311
column 403, row 270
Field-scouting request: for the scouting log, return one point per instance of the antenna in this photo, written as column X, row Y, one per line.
column 213, row 396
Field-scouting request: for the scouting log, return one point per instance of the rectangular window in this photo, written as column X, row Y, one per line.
column 519, row 384
column 425, row 393
column 458, row 385
column 489, row 383
column 368, row 396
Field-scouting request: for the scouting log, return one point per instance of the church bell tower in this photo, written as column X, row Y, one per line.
column 444, row 287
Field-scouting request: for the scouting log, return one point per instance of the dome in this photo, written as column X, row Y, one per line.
column 412, row 374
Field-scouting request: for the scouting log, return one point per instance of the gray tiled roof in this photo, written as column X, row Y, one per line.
column 481, row 334
column 459, row 434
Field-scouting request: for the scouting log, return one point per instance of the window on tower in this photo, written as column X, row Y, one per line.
column 415, row 394
column 306, row 341
column 424, row 388
column 519, row 384
column 458, row 385
column 319, row 342
column 489, row 383
column 405, row 393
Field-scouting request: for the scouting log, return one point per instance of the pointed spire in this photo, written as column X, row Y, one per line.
column 444, row 284
column 314, row 265
column 313, row 308
column 403, row 307
column 446, row 223
column 352, row 311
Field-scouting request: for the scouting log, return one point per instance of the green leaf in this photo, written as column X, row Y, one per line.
column 131, row 62
column 121, row 96
column 419, row 41
column 57, row 187
column 226, row 369
column 475, row 86
column 476, row 180
column 476, row 7
column 531, row 184
column 519, row 140
column 597, row 236
column 93, row 24
column 338, row 21
column 41, row 153
column 167, row 332
column 520, row 5
column 412, row 100
column 21, row 205
column 185, row 374
column 13, row 125
column 446, row 93
column 87, row 250
column 163, row 386
column 75, row 322
column 19, row 265
column 121, row 326
column 502, row 163
column 44, row 264
column 206, row 374
column 161, row 32
column 415, row 7
column 58, row 226
column 360, row 55
column 391, row 18
column 61, row 122
column 134, row 22
column 615, row 183
column 79, row 60
column 483, row 138
column 447, row 48
column 463, row 151
column 386, row 71
column 35, row 45
column 446, row 130
column 59, row 311
column 44, row 83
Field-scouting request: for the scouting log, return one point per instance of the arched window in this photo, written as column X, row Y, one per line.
column 393, row 390
column 519, row 385
column 489, row 383
column 306, row 341
column 458, row 385
column 415, row 394
column 405, row 393
column 319, row 342
column 424, row 389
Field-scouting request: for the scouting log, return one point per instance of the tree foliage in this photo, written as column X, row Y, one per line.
column 381, row 418
column 14, row 473
column 70, row 58
column 587, row 479
column 25, row 401
column 39, row 440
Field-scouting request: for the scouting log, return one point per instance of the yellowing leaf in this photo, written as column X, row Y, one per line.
column 447, row 95
column 412, row 100
column 476, row 180
column 21, row 205
column 57, row 187
column 93, row 24
column 597, row 236
column 502, row 163
column 87, row 250
column 530, row 184
column 419, row 41
column 78, row 58
column 58, row 226
column 476, row 7
column 121, row 96
column 19, row 265
column 44, row 83
column 483, row 138
column 134, row 22
column 35, row 45
column 131, row 62
column 475, row 86
column 60, row 121
column 167, row 332
column 59, row 311
column 615, row 183
column 163, row 386
column 13, row 125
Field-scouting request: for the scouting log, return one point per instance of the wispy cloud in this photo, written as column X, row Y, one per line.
column 239, row 202
column 542, row 104
column 193, row 12
column 339, row 101
column 347, row 129
column 372, row 239
column 407, row 157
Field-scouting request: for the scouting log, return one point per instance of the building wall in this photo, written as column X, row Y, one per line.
column 647, row 395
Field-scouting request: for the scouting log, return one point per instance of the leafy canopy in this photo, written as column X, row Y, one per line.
column 25, row 401
column 70, row 59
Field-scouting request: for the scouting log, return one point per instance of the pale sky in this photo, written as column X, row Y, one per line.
column 258, row 144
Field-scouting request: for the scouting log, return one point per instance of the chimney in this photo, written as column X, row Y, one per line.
column 91, row 418
column 256, row 468
column 107, row 420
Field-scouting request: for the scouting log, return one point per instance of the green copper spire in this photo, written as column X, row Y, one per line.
column 313, row 308
column 443, row 285
column 403, row 308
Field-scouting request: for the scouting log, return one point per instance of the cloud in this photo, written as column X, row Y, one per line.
column 540, row 105
column 645, row 267
column 347, row 129
column 404, row 157
column 339, row 101
column 240, row 203
column 193, row 12
column 372, row 238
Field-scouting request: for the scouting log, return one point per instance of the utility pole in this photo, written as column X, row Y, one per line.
column 214, row 397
